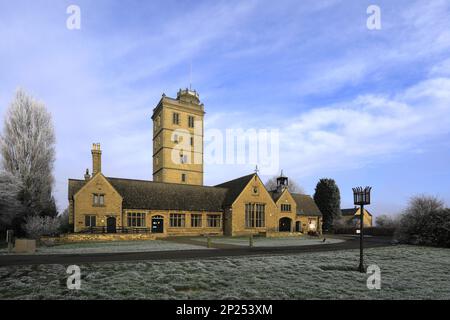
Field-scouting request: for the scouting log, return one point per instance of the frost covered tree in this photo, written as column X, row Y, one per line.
column 426, row 221
column 293, row 186
column 385, row 221
column 27, row 147
column 36, row 226
column 10, row 206
column 328, row 198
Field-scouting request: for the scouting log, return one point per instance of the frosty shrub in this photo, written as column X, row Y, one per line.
column 425, row 222
column 36, row 227
column 385, row 221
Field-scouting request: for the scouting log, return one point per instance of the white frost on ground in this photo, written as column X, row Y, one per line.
column 270, row 242
column 407, row 272
column 113, row 246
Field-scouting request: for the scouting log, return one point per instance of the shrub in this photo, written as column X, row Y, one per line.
column 36, row 226
column 385, row 221
column 64, row 227
column 425, row 222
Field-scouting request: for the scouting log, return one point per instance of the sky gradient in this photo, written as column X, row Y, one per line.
column 365, row 107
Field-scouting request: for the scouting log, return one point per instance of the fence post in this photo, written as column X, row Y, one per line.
column 9, row 239
column 208, row 242
column 251, row 240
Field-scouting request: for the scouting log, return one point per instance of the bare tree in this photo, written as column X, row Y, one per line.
column 28, row 152
column 293, row 186
column 10, row 206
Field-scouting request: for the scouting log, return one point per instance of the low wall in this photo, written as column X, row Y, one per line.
column 372, row 231
column 283, row 234
column 82, row 237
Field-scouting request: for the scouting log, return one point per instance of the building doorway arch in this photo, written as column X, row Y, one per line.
column 157, row 224
column 111, row 225
column 285, row 225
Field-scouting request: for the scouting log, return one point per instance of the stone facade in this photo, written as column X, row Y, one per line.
column 178, row 139
column 176, row 202
column 85, row 206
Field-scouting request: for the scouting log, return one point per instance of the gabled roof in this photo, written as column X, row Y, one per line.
column 275, row 195
column 142, row 194
column 234, row 188
column 306, row 205
column 349, row 212
column 352, row 212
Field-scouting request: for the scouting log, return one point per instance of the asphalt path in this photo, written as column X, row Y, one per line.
column 68, row 259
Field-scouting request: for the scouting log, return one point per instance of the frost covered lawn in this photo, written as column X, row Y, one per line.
column 113, row 246
column 406, row 273
column 269, row 242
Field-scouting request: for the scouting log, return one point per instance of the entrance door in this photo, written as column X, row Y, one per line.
column 111, row 225
column 157, row 224
column 298, row 226
column 285, row 225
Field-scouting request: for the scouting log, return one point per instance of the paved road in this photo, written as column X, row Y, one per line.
column 66, row 259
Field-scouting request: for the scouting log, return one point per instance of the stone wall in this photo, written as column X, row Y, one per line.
column 82, row 237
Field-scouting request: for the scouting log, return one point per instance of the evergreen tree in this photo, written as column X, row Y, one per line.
column 328, row 198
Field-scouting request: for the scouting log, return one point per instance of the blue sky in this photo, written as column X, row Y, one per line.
column 365, row 107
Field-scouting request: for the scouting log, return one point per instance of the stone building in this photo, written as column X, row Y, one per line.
column 176, row 202
column 351, row 217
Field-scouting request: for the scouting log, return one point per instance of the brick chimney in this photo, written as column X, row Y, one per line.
column 96, row 158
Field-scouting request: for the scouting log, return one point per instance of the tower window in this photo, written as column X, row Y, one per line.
column 183, row 177
column 176, row 118
column 191, row 121
column 192, row 141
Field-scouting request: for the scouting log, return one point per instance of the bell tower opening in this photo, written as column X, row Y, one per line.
column 282, row 182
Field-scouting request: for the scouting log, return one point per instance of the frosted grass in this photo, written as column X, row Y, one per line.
column 407, row 272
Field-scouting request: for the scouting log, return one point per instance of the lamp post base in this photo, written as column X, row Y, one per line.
column 361, row 268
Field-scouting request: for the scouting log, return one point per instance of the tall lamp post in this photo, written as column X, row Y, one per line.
column 361, row 197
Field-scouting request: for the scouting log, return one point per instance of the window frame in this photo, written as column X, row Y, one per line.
column 90, row 217
column 177, row 220
column 213, row 221
column 98, row 199
column 191, row 121
column 255, row 215
column 197, row 217
column 175, row 118
column 136, row 219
